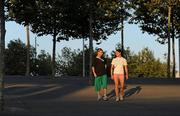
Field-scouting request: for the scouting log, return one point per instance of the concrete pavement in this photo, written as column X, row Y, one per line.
column 75, row 97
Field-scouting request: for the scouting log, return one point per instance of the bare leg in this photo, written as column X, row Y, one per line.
column 98, row 95
column 122, row 88
column 116, row 86
column 105, row 91
column 105, row 94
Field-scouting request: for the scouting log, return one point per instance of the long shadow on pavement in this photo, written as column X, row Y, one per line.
column 44, row 90
column 134, row 90
column 127, row 93
column 19, row 94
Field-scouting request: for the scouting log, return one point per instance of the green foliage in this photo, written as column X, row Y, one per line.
column 21, row 11
column 152, row 17
column 143, row 64
column 160, row 18
column 69, row 18
column 70, row 62
column 15, row 60
column 15, row 57
column 43, row 63
column 64, row 19
column 148, row 66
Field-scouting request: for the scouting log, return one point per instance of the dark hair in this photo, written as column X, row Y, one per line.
column 118, row 50
column 99, row 49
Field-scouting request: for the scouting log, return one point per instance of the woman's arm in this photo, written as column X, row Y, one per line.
column 126, row 71
column 94, row 73
column 112, row 70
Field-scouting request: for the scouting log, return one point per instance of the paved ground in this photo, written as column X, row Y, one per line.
column 75, row 97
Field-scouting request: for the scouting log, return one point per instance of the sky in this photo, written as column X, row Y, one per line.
column 133, row 38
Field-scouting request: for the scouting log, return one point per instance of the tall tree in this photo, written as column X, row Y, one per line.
column 67, row 62
column 15, row 55
column 65, row 19
column 2, row 48
column 28, row 50
column 171, row 5
column 90, row 45
column 43, row 64
column 44, row 17
column 103, row 20
column 86, row 19
column 176, row 25
column 154, row 17
column 121, row 9
column 22, row 12
column 148, row 66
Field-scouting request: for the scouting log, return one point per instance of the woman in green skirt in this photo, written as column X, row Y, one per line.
column 99, row 72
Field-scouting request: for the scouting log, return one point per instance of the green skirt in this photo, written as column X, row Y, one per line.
column 100, row 82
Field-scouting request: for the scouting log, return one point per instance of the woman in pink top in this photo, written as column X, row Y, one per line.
column 118, row 67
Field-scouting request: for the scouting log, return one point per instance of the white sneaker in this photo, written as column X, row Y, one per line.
column 105, row 98
column 99, row 98
column 121, row 98
column 117, row 99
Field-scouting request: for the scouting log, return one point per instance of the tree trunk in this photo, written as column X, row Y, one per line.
column 169, row 42
column 83, row 60
column 2, row 48
column 122, row 32
column 173, row 48
column 90, row 48
column 122, row 36
column 179, row 57
column 174, row 63
column 54, row 54
column 28, row 49
column 35, row 66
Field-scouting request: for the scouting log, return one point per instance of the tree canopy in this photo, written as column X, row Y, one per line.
column 152, row 17
column 68, row 18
